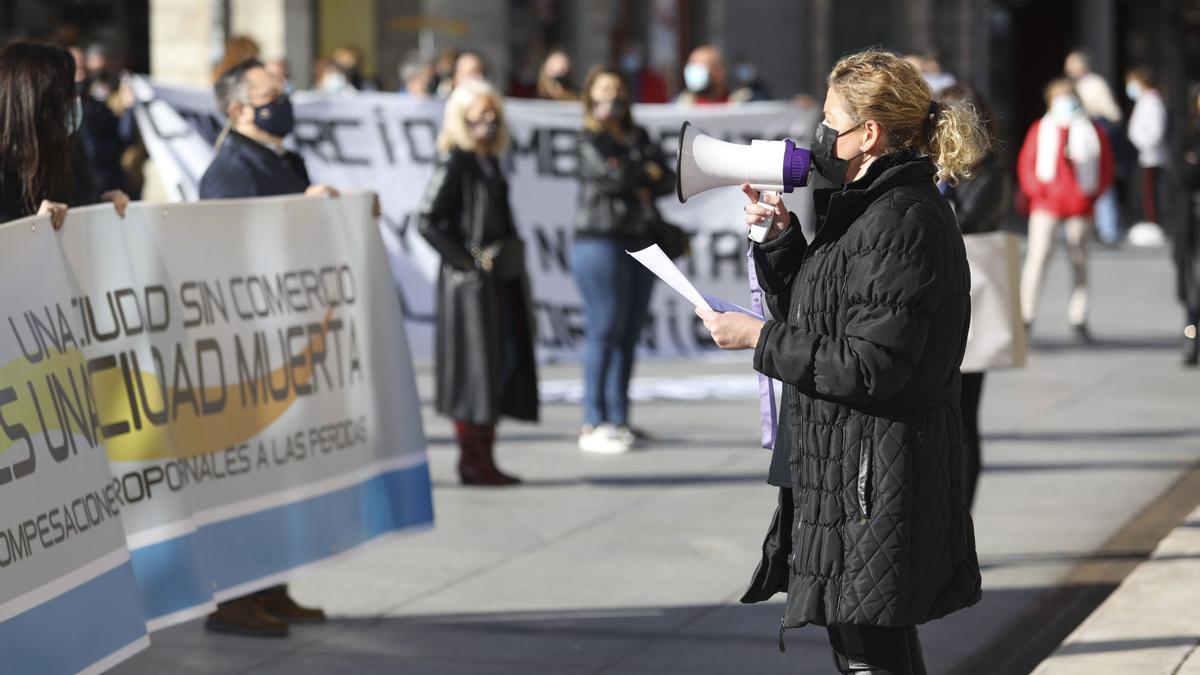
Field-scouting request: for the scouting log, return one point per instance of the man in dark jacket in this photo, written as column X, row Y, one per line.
column 252, row 162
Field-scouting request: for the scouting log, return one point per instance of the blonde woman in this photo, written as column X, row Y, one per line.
column 484, row 341
column 873, row 535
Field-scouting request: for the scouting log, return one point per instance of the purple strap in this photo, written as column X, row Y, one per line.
column 766, row 392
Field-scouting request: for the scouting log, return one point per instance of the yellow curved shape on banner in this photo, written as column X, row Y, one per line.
column 187, row 435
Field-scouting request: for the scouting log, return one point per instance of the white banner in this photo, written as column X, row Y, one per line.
column 385, row 143
column 198, row 399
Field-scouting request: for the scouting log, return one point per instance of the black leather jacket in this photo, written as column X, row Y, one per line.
column 616, row 194
column 981, row 203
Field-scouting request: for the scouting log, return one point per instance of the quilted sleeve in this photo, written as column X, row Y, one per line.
column 776, row 263
column 894, row 285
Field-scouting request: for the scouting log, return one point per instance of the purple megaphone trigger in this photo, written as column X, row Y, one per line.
column 797, row 162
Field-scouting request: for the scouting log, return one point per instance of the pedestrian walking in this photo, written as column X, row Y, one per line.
column 621, row 172
column 484, row 336
column 1064, row 165
column 872, row 535
column 980, row 203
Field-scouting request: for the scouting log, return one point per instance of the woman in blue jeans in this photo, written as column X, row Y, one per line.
column 621, row 172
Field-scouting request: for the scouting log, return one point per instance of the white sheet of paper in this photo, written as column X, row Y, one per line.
column 657, row 262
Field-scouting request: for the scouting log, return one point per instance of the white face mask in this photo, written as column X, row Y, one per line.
column 1133, row 90
column 1065, row 106
column 333, row 83
column 695, row 77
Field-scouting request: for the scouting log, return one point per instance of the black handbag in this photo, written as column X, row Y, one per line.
column 672, row 239
column 503, row 259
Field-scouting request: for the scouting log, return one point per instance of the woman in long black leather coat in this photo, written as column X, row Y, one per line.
column 485, row 332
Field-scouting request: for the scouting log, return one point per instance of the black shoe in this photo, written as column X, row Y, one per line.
column 1082, row 335
column 1191, row 348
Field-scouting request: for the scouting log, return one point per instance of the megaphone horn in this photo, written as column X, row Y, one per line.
column 705, row 163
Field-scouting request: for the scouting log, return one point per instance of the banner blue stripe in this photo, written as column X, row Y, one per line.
column 183, row 572
column 170, row 576
column 75, row 629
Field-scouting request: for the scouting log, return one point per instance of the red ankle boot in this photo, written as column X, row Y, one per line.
column 475, row 464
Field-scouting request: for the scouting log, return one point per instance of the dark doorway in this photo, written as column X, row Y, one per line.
column 1031, row 38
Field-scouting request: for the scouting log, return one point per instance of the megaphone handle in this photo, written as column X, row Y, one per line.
column 758, row 233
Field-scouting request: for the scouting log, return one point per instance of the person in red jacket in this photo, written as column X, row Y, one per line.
column 1065, row 163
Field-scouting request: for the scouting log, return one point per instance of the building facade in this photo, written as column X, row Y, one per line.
column 1007, row 48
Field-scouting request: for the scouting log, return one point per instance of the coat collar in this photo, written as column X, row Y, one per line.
column 837, row 208
column 242, row 143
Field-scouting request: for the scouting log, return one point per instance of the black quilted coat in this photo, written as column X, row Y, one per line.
column 874, row 529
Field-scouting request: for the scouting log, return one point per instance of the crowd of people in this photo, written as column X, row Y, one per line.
column 870, row 316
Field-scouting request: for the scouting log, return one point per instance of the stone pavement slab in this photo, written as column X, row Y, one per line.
column 1150, row 625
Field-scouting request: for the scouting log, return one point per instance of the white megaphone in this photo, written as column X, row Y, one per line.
column 705, row 163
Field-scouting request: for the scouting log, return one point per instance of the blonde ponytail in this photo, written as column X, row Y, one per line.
column 959, row 141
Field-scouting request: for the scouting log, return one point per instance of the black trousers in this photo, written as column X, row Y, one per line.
column 877, row 650
column 972, row 462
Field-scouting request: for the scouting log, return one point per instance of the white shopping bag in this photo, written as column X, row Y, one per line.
column 996, row 338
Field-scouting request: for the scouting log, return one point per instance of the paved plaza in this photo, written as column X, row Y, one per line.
column 633, row 564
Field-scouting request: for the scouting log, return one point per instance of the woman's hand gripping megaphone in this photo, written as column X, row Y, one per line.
column 766, row 214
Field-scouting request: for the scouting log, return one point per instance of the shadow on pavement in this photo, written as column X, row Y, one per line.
column 1103, row 344
column 697, row 640
column 1163, row 465
column 1076, row 558
column 1091, row 435
column 640, row 480
column 1127, row 645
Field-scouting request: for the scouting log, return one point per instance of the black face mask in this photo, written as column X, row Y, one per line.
column 484, row 131
column 824, row 154
column 275, row 117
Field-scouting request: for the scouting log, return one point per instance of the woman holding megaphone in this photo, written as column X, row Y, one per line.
column 873, row 535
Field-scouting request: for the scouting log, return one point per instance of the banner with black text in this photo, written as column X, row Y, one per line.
column 197, row 400
column 386, row 143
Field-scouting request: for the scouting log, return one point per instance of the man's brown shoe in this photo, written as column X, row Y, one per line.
column 244, row 616
column 281, row 605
